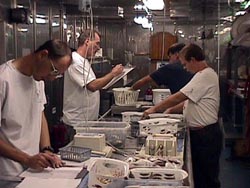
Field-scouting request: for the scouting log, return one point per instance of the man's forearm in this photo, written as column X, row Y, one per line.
column 44, row 138
column 10, row 152
column 99, row 83
column 175, row 109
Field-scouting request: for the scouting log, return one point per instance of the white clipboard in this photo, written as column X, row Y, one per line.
column 117, row 78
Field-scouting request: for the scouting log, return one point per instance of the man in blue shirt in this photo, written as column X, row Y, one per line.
column 172, row 75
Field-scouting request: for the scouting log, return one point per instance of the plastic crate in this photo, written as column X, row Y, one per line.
column 158, row 126
column 115, row 132
column 75, row 153
column 131, row 116
column 104, row 171
column 173, row 177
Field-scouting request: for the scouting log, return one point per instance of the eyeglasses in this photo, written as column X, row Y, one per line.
column 54, row 72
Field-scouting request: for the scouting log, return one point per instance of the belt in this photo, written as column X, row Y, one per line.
column 204, row 127
column 195, row 128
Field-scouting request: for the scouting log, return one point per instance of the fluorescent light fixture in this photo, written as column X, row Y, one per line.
column 140, row 7
column 239, row 1
column 247, row 5
column 19, row 6
column 57, row 24
column 241, row 12
column 147, row 25
column 40, row 16
column 140, row 19
column 182, row 35
column 22, row 30
column 65, row 26
column 40, row 21
column 180, row 31
column 120, row 12
column 154, row 4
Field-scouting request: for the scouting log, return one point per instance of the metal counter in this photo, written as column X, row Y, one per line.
column 131, row 149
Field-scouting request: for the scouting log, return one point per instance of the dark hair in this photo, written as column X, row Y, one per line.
column 56, row 49
column 87, row 34
column 192, row 51
column 175, row 48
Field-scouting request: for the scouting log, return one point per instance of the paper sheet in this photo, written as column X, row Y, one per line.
column 117, row 78
column 63, row 172
column 33, row 182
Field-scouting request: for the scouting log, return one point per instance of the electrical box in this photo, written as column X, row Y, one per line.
column 19, row 15
column 95, row 141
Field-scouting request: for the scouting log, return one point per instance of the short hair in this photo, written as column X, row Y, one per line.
column 56, row 48
column 192, row 51
column 87, row 34
column 175, row 48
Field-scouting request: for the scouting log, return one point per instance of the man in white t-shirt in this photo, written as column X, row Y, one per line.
column 24, row 136
column 202, row 98
column 81, row 98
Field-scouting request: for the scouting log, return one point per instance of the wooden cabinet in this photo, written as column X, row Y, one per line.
column 158, row 41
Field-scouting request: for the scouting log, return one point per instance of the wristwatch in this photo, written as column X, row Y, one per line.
column 47, row 148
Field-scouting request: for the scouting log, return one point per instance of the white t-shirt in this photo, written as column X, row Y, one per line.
column 22, row 101
column 204, row 99
column 79, row 104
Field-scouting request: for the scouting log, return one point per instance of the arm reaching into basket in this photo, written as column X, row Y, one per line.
column 172, row 75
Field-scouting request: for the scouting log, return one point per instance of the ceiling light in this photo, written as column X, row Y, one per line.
column 247, row 5
column 140, row 19
column 55, row 24
column 40, row 21
column 20, row 6
column 147, row 25
column 22, row 29
column 180, row 31
column 154, row 4
column 120, row 12
column 239, row 13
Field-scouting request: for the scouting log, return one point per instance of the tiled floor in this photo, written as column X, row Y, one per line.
column 234, row 173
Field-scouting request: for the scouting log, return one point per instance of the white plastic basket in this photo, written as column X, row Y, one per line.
column 115, row 132
column 125, row 96
column 158, row 126
column 103, row 171
column 174, row 177
column 160, row 95
column 131, row 116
